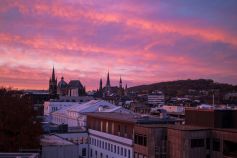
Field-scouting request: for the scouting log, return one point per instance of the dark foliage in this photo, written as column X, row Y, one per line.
column 18, row 127
column 181, row 87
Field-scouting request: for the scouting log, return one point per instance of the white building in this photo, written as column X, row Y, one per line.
column 111, row 135
column 104, row 145
column 156, row 98
column 52, row 106
column 75, row 116
column 63, row 102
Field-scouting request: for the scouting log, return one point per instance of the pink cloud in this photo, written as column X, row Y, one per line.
column 85, row 39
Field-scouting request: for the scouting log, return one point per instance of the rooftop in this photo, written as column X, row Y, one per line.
column 185, row 127
column 50, row 140
column 210, row 110
column 131, row 118
column 90, row 107
column 19, row 155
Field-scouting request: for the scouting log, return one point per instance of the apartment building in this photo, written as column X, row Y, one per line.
column 212, row 139
column 111, row 135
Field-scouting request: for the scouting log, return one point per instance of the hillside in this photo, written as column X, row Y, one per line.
column 182, row 87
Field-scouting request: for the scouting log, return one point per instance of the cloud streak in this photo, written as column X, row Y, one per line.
column 144, row 42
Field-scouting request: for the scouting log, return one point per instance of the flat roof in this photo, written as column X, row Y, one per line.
column 176, row 127
column 187, row 127
column 130, row 117
column 210, row 110
column 50, row 140
column 20, row 155
column 233, row 130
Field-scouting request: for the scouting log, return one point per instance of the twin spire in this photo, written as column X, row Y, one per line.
column 108, row 82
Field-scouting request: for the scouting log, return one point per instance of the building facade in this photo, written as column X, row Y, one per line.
column 114, row 135
column 156, row 98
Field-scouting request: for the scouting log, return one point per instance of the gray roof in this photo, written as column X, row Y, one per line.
column 75, row 84
column 132, row 118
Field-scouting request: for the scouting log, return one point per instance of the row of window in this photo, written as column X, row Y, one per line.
column 59, row 120
column 110, row 147
column 96, row 155
column 140, row 139
column 54, row 109
column 72, row 114
column 196, row 143
column 109, row 127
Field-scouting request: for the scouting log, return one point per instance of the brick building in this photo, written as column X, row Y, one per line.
column 112, row 134
column 208, row 134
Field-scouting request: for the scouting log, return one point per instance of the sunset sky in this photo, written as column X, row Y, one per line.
column 144, row 41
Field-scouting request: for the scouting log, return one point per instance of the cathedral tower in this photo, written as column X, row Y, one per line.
column 101, row 85
column 53, row 84
column 120, row 83
column 108, row 84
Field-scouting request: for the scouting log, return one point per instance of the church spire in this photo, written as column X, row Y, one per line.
column 100, row 85
column 53, row 75
column 108, row 80
column 120, row 82
column 53, row 85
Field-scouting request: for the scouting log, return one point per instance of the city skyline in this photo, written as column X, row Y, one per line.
column 143, row 41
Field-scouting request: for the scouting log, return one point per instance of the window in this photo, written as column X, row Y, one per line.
column 105, row 145
column 125, row 131
column 114, row 148
column 144, row 141
column 207, row 143
column 109, row 146
column 84, row 152
column 101, row 155
column 128, row 153
column 101, row 126
column 216, row 144
column 135, row 155
column 117, row 149
column 125, row 152
column 121, row 152
column 119, row 130
column 107, row 127
column 196, row 143
column 91, row 152
column 112, row 128
column 140, row 139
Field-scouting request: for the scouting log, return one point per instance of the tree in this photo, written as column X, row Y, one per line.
column 18, row 127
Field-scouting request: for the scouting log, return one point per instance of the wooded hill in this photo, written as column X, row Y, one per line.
column 183, row 87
